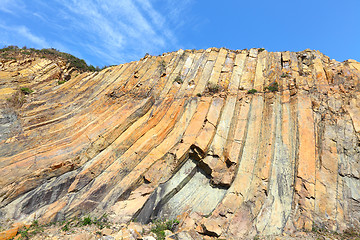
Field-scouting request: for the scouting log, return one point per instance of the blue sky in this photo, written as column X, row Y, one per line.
column 105, row 32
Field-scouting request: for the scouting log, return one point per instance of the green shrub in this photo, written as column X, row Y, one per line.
column 252, row 91
column 27, row 233
column 213, row 88
column 66, row 228
column 273, row 87
column 101, row 222
column 162, row 67
column 26, row 90
column 161, row 225
column 61, row 82
column 92, row 68
column 261, row 49
column 86, row 221
column 9, row 48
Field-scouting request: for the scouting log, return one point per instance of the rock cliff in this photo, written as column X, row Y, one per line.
column 232, row 143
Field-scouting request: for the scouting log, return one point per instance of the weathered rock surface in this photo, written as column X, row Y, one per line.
column 179, row 136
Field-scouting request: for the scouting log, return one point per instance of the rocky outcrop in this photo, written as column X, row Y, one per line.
column 181, row 136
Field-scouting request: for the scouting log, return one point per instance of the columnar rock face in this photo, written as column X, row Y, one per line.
column 181, row 136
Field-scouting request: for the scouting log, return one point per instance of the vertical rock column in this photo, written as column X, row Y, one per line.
column 305, row 175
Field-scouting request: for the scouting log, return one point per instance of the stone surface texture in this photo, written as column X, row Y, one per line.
column 179, row 136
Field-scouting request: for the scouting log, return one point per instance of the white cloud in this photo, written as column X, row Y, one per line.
column 113, row 30
column 120, row 28
column 38, row 15
column 176, row 11
column 11, row 6
column 21, row 32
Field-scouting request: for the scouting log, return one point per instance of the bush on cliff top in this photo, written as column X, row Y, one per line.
column 75, row 62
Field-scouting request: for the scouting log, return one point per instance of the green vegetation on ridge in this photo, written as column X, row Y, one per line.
column 10, row 53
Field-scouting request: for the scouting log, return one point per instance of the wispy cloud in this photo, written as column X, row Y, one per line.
column 120, row 28
column 176, row 11
column 23, row 32
column 11, row 6
column 104, row 32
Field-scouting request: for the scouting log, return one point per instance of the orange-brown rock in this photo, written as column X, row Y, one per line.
column 9, row 234
column 181, row 136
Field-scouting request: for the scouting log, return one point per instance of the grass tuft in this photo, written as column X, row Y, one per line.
column 252, row 91
column 213, row 88
column 27, row 233
column 273, row 87
column 161, row 225
column 26, row 90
